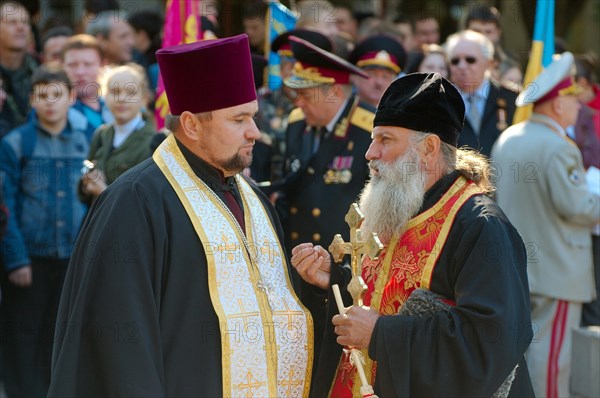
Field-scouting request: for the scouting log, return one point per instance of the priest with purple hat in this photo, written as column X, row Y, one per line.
column 179, row 285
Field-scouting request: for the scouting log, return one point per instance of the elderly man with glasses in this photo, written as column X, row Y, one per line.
column 489, row 106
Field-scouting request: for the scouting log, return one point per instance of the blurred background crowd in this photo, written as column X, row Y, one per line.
column 81, row 103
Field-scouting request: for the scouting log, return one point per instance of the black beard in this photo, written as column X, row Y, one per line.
column 236, row 163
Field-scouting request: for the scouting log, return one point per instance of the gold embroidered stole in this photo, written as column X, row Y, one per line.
column 266, row 333
column 405, row 264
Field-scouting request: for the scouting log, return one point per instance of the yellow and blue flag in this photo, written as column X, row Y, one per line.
column 542, row 49
column 279, row 20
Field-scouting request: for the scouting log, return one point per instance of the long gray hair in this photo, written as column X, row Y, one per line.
column 471, row 164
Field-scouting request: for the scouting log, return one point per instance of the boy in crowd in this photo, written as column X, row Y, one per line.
column 39, row 171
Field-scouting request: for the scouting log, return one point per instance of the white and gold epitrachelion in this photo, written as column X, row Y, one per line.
column 266, row 333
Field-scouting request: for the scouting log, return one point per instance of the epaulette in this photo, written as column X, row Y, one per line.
column 363, row 118
column 295, row 115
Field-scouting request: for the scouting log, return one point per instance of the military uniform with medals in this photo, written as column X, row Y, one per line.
column 275, row 105
column 325, row 167
column 321, row 185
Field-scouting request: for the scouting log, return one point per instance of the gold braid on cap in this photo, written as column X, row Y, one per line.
column 376, row 62
column 381, row 59
column 311, row 74
column 285, row 53
column 573, row 89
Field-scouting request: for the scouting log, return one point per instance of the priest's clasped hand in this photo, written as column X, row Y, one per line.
column 313, row 264
column 355, row 328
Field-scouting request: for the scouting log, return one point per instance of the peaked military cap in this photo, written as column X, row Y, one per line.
column 379, row 51
column 556, row 79
column 315, row 66
column 282, row 46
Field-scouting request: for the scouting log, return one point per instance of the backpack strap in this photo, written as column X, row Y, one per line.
column 28, row 140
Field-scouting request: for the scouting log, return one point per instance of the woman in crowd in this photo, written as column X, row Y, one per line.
column 433, row 58
column 118, row 146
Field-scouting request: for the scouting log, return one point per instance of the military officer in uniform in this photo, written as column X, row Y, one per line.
column 327, row 137
column 382, row 58
column 283, row 47
column 542, row 189
column 274, row 104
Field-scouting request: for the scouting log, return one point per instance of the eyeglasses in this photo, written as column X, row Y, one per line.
column 468, row 59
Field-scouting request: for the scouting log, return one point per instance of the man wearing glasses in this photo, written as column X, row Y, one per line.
column 489, row 106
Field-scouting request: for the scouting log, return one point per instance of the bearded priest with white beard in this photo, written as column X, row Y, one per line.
column 446, row 312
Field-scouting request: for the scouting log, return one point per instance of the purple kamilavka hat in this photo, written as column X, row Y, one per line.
column 207, row 75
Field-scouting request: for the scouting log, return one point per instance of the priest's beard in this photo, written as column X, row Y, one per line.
column 237, row 162
column 392, row 198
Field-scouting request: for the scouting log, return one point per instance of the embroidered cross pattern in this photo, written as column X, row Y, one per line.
column 289, row 313
column 291, row 383
column 249, row 385
column 243, row 314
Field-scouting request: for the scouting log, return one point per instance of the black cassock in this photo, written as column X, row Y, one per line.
column 470, row 350
column 136, row 318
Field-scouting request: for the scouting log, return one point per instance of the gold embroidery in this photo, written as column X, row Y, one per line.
column 200, row 205
column 470, row 190
column 249, row 385
column 435, row 208
column 341, row 127
column 243, row 314
column 381, row 59
column 290, row 383
column 295, row 115
column 362, row 118
column 289, row 314
column 311, row 74
column 408, row 262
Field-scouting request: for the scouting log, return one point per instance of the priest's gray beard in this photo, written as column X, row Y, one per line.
column 392, row 198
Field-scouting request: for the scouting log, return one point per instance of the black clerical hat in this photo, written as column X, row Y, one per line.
column 424, row 102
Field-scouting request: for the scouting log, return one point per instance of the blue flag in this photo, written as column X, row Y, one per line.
column 279, row 20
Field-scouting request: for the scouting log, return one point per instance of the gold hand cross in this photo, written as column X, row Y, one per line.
column 357, row 247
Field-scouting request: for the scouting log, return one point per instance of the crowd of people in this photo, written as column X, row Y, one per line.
column 193, row 260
